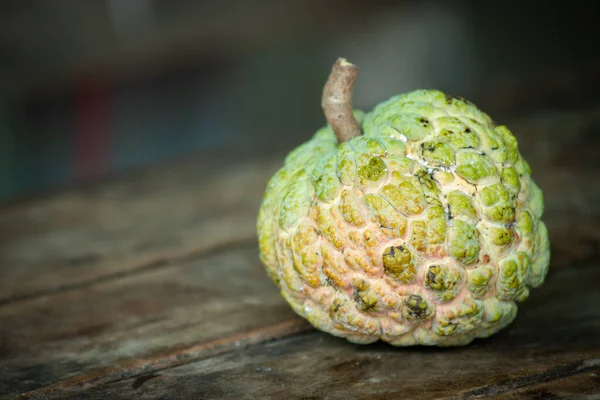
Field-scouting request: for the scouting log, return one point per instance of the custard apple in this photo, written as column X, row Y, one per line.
column 423, row 230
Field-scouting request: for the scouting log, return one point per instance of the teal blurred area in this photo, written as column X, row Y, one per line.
column 95, row 88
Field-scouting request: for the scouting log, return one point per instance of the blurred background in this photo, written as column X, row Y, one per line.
column 90, row 88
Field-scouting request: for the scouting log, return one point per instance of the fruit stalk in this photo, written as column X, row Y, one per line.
column 337, row 100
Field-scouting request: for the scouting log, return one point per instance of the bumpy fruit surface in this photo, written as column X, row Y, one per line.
column 424, row 230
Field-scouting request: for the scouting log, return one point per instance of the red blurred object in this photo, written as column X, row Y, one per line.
column 92, row 128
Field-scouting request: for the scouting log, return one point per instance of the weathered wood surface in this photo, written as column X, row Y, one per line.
column 149, row 286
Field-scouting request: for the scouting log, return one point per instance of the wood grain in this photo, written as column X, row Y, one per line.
column 80, row 236
column 545, row 344
column 165, row 308
column 149, row 286
column 583, row 385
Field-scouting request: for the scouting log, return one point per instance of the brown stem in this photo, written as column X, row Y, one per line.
column 337, row 100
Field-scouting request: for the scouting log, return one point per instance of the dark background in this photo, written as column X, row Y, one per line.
column 90, row 88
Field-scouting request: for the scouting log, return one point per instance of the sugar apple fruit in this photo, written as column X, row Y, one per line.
column 425, row 229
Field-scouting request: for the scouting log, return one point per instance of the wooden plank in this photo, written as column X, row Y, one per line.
column 117, row 328
column 583, row 386
column 555, row 338
column 78, row 236
column 143, row 314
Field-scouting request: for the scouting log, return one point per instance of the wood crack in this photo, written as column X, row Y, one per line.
column 551, row 374
column 157, row 263
column 147, row 366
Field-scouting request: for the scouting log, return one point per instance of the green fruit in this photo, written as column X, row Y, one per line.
column 426, row 229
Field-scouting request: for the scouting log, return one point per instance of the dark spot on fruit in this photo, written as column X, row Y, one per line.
column 468, row 130
column 372, row 171
column 486, row 259
column 368, row 305
column 416, row 307
column 336, row 307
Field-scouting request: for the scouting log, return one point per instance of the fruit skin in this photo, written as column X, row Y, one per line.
column 425, row 230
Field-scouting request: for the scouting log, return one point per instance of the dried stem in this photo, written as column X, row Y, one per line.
column 337, row 100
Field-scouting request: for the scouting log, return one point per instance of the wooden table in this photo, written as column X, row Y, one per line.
column 149, row 286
